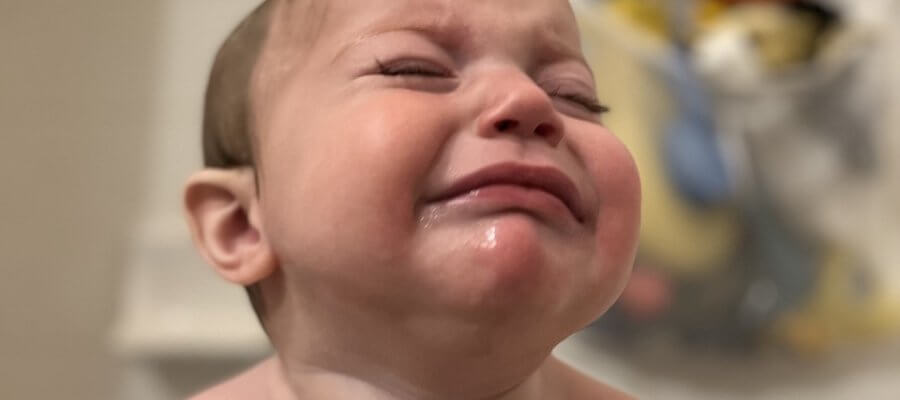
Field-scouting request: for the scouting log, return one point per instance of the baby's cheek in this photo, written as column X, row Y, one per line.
column 619, row 195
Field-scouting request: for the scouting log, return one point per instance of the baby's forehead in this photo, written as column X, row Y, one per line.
column 306, row 33
column 326, row 22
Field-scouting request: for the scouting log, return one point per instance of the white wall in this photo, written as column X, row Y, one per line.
column 76, row 81
column 99, row 124
column 180, row 327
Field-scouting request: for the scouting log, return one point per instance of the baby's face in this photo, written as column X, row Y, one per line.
column 441, row 159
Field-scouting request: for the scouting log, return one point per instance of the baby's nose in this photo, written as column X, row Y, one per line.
column 519, row 106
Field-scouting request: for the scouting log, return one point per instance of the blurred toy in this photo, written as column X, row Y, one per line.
column 693, row 160
column 771, row 203
column 790, row 84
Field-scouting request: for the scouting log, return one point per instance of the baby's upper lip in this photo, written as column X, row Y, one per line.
column 547, row 178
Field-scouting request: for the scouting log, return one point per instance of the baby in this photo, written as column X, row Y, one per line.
column 419, row 196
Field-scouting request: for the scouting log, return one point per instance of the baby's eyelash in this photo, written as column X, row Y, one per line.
column 425, row 69
column 411, row 68
column 590, row 104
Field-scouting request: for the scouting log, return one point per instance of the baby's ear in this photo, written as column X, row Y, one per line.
column 224, row 217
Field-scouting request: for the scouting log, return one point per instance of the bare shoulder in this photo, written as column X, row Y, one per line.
column 249, row 385
column 579, row 386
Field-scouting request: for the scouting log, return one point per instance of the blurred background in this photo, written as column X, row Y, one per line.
column 765, row 132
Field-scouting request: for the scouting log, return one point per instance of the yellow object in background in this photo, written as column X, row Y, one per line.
column 649, row 15
column 781, row 39
column 652, row 16
column 839, row 312
column 709, row 11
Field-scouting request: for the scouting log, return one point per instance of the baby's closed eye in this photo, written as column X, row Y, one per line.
column 588, row 102
column 418, row 71
column 413, row 67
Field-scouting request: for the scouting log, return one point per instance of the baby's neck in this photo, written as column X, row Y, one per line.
column 407, row 358
column 318, row 384
column 271, row 381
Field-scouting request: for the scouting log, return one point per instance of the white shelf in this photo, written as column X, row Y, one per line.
column 174, row 306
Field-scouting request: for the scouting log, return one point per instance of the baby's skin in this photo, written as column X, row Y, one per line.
column 435, row 203
column 554, row 380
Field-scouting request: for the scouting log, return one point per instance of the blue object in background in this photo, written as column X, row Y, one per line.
column 692, row 156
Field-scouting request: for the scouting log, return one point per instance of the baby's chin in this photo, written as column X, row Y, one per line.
column 507, row 265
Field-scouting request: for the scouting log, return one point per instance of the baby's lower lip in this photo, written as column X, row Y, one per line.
column 500, row 198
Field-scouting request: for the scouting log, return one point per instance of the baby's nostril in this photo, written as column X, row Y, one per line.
column 545, row 130
column 505, row 125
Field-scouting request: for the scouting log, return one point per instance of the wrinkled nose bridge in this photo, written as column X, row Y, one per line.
column 515, row 104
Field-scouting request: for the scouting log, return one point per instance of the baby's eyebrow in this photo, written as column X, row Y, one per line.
column 553, row 48
column 446, row 32
column 451, row 34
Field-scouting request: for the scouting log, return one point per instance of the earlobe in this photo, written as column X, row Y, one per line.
column 222, row 212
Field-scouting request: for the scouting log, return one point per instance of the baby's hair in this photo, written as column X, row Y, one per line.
column 228, row 135
column 229, row 126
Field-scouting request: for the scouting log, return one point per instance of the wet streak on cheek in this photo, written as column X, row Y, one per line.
column 430, row 217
